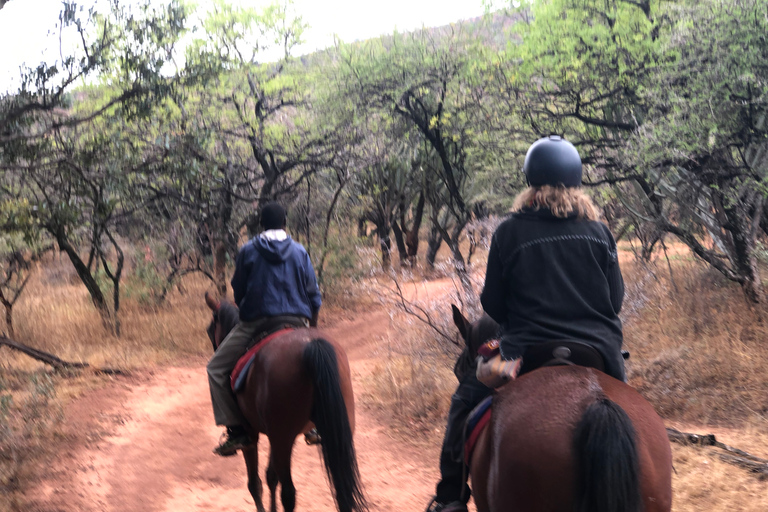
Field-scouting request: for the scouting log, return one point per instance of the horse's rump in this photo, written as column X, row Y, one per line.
column 529, row 452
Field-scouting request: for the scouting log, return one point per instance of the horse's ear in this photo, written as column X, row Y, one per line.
column 461, row 322
column 212, row 303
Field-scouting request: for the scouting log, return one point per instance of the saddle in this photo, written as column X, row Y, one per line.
column 497, row 372
column 278, row 326
column 559, row 353
column 494, row 372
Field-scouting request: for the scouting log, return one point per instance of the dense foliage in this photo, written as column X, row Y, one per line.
column 173, row 147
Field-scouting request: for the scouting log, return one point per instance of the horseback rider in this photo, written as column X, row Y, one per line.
column 274, row 285
column 553, row 274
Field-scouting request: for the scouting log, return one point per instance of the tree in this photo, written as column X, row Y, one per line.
column 660, row 107
column 389, row 179
column 247, row 124
column 69, row 155
column 428, row 80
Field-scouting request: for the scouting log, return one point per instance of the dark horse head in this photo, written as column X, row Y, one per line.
column 475, row 333
column 225, row 317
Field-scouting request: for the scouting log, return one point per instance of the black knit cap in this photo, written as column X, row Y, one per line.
column 272, row 216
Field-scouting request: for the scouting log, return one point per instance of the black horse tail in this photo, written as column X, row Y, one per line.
column 608, row 468
column 329, row 414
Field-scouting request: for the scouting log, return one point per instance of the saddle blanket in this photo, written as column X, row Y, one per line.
column 237, row 378
column 476, row 422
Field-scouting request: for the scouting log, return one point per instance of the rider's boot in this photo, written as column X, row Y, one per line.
column 454, row 506
column 237, row 439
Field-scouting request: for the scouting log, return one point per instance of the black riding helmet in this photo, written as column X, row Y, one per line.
column 552, row 161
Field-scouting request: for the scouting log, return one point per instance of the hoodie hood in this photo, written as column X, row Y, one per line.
column 274, row 251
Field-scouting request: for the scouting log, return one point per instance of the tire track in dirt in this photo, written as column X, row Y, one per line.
column 144, row 444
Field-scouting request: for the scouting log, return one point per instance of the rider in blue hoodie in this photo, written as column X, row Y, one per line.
column 274, row 284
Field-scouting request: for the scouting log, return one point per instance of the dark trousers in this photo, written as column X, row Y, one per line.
column 453, row 477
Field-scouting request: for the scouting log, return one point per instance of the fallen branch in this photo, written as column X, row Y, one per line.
column 52, row 360
column 741, row 458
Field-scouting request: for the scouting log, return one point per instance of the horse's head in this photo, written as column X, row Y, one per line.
column 225, row 317
column 475, row 333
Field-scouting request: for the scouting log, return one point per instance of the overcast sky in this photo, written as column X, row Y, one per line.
column 25, row 24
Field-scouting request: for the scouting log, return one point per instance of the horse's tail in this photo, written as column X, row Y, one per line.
column 329, row 414
column 608, row 468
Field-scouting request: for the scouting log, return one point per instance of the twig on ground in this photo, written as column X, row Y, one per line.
column 54, row 361
column 741, row 458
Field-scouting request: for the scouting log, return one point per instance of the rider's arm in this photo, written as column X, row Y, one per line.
column 493, row 297
column 240, row 277
column 613, row 275
column 313, row 320
column 616, row 286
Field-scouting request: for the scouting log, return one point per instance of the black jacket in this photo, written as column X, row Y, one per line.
column 550, row 278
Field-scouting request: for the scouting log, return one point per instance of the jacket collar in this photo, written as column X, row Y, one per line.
column 274, row 234
column 542, row 214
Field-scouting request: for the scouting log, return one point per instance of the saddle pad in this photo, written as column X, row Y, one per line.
column 237, row 378
column 476, row 422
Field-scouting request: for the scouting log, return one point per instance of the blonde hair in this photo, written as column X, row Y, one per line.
column 561, row 201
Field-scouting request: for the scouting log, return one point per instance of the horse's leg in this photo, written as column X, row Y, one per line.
column 272, row 484
column 280, row 470
column 251, row 456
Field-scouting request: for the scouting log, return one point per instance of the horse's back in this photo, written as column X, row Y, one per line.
column 278, row 393
column 531, row 439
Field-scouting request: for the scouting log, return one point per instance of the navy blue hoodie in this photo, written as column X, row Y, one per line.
column 274, row 278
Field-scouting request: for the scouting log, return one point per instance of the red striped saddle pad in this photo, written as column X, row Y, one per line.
column 237, row 378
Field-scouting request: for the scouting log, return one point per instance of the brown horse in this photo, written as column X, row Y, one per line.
column 568, row 438
column 297, row 380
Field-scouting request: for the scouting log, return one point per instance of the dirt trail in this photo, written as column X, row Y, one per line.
column 144, row 444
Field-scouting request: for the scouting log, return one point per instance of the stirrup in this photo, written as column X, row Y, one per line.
column 454, row 506
column 312, row 437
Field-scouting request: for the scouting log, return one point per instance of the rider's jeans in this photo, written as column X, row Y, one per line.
column 235, row 345
column 453, row 483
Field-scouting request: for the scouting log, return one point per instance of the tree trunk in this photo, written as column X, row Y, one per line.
column 400, row 242
column 327, row 228
column 382, row 230
column 220, row 266
column 744, row 227
column 8, row 314
column 97, row 297
column 460, row 266
column 433, row 244
column 412, row 235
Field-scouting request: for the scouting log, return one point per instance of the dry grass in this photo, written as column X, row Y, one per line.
column 411, row 382
column 698, row 354
column 55, row 315
column 698, row 348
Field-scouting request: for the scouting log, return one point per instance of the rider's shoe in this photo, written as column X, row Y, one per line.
column 454, row 506
column 312, row 437
column 237, row 439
